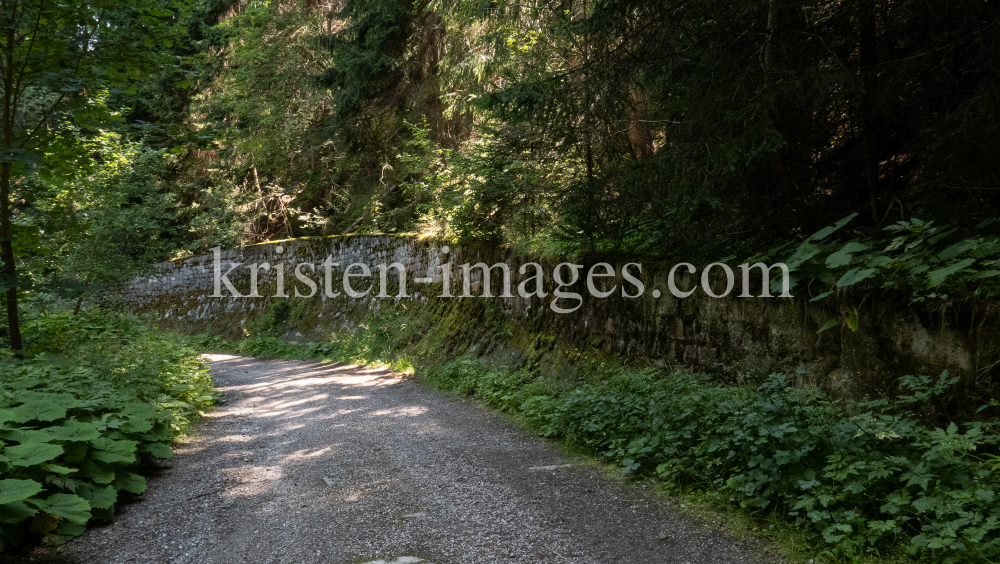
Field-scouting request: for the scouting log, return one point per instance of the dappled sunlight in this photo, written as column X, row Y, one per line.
column 284, row 428
column 305, row 454
column 213, row 357
column 235, row 439
column 411, row 411
column 288, row 404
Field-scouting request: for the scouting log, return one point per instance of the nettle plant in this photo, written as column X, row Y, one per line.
column 917, row 260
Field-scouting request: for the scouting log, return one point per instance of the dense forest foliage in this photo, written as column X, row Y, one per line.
column 140, row 131
column 855, row 140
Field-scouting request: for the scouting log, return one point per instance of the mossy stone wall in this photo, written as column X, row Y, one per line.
column 733, row 336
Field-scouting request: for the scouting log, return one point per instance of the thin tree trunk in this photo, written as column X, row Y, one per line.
column 6, row 237
column 639, row 133
column 7, row 252
column 79, row 299
column 93, row 261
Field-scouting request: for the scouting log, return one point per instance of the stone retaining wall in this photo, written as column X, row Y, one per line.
column 734, row 336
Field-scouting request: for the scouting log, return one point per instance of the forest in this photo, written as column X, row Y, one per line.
column 142, row 130
column 856, row 141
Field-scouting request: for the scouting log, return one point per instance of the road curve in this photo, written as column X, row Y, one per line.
column 318, row 463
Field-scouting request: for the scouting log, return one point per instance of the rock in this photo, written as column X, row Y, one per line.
column 552, row 467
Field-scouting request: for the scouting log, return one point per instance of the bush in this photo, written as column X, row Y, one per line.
column 77, row 422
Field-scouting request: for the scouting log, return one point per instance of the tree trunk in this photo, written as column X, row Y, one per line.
column 6, row 237
column 639, row 134
column 7, row 253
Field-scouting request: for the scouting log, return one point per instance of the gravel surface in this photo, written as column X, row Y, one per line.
column 318, row 463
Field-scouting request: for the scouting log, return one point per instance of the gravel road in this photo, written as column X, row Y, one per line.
column 318, row 463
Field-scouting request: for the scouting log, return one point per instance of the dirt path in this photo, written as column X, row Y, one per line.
column 318, row 463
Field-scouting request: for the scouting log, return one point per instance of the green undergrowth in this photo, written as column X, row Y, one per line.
column 98, row 398
column 376, row 342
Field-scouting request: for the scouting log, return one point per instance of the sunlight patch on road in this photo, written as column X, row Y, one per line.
column 402, row 411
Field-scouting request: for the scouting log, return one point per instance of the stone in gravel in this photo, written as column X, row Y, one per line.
column 328, row 481
column 552, row 467
column 417, row 514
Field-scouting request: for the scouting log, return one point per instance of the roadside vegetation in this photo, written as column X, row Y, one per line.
column 99, row 397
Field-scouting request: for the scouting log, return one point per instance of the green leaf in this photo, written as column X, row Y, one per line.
column 936, row 277
column 136, row 425
column 803, row 252
column 877, row 261
column 110, row 450
column 42, row 406
column 59, row 469
column 31, row 454
column 130, row 482
column 852, row 319
column 140, row 410
column 821, row 296
column 844, row 255
column 855, row 275
column 75, row 451
column 74, row 430
column 957, row 249
column 826, row 231
column 855, row 487
column 98, row 472
column 15, row 512
column 925, row 503
column 830, row 323
column 68, row 506
column 26, row 436
column 159, row 450
column 70, row 529
column 17, row 490
column 103, row 498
